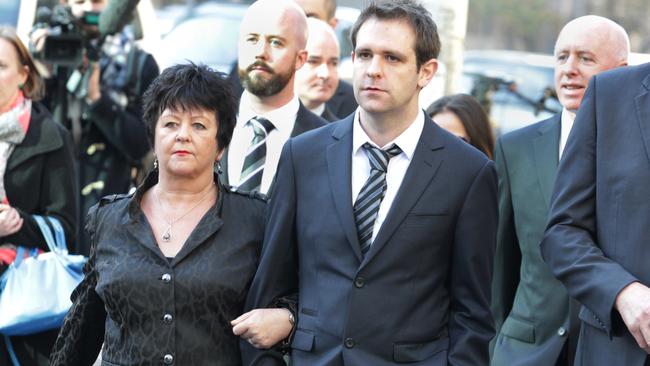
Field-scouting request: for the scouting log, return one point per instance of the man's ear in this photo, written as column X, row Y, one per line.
column 426, row 72
column 333, row 22
column 301, row 58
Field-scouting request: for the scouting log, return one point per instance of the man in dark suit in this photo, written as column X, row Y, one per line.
column 535, row 320
column 596, row 241
column 317, row 79
column 383, row 223
column 342, row 103
column 272, row 43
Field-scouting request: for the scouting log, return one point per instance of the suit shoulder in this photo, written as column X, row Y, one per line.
column 624, row 75
column 245, row 195
column 114, row 198
column 315, row 135
column 527, row 133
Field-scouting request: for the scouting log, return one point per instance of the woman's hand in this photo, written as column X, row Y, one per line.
column 10, row 220
column 263, row 328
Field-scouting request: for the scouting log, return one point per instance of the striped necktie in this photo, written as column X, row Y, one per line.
column 367, row 204
column 253, row 169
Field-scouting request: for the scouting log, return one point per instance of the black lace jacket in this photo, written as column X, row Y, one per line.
column 148, row 310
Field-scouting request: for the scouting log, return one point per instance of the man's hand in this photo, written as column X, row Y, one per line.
column 94, row 91
column 263, row 328
column 37, row 39
column 10, row 220
column 633, row 303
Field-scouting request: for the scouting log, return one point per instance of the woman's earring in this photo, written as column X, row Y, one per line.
column 217, row 166
column 155, row 163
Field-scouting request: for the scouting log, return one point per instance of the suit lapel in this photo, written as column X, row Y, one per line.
column 300, row 126
column 339, row 167
column 642, row 105
column 426, row 160
column 546, row 152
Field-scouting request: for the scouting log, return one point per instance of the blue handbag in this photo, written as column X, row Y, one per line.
column 35, row 291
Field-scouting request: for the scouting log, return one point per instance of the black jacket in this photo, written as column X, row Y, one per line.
column 40, row 179
column 147, row 309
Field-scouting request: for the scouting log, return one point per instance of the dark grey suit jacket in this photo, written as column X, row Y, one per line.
column 342, row 103
column 305, row 121
column 597, row 240
column 422, row 292
column 530, row 306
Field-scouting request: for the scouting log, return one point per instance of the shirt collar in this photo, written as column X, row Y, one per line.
column 407, row 140
column 318, row 110
column 567, row 121
column 283, row 118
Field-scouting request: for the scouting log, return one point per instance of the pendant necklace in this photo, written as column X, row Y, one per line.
column 167, row 234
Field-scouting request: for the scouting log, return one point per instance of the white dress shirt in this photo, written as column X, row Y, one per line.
column 318, row 110
column 566, row 123
column 282, row 118
column 397, row 165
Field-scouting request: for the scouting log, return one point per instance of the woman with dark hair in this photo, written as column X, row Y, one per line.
column 170, row 265
column 463, row 116
column 36, row 176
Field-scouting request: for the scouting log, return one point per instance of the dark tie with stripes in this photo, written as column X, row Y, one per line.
column 253, row 168
column 367, row 204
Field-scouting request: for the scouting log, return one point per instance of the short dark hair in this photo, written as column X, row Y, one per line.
column 473, row 117
column 427, row 42
column 189, row 86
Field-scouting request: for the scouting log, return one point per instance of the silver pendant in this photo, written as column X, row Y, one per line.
column 167, row 235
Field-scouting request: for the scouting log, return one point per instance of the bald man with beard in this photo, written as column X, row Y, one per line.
column 536, row 321
column 272, row 41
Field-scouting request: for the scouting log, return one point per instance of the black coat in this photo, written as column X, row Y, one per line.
column 146, row 308
column 40, row 179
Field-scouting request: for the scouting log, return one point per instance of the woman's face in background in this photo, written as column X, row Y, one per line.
column 12, row 74
column 450, row 122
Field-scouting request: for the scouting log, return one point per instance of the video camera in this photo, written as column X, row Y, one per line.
column 67, row 36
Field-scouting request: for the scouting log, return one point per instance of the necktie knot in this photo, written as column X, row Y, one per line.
column 379, row 158
column 261, row 126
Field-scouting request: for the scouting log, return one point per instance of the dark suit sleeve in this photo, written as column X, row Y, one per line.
column 277, row 274
column 570, row 244
column 507, row 258
column 81, row 336
column 470, row 321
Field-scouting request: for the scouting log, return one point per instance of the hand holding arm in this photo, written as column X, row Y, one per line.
column 10, row 220
column 263, row 328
